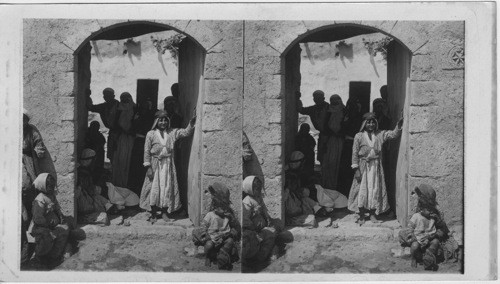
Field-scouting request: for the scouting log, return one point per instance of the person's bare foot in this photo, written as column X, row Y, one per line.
column 152, row 219
column 374, row 219
column 165, row 217
column 360, row 221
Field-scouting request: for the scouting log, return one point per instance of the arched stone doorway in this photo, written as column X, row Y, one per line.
column 52, row 93
column 191, row 66
column 398, row 74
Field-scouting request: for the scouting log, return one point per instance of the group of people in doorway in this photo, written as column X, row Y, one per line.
column 142, row 141
column 351, row 152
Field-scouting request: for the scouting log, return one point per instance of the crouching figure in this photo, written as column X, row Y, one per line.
column 259, row 234
column 220, row 230
column 47, row 227
column 426, row 231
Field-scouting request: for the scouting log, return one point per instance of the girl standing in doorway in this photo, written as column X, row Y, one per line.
column 160, row 189
column 368, row 191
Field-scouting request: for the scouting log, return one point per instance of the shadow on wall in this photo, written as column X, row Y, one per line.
column 345, row 51
column 160, row 59
column 309, row 54
column 134, row 48
column 251, row 163
column 96, row 50
column 372, row 62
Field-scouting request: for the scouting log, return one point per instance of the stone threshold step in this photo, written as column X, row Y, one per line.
column 175, row 231
column 345, row 233
column 347, row 230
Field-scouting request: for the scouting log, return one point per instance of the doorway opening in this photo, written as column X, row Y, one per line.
column 147, row 90
column 145, row 59
column 352, row 61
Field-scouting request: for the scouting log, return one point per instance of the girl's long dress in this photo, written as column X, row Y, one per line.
column 163, row 190
column 371, row 192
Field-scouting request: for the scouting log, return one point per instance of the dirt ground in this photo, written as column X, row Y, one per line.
column 347, row 257
column 110, row 254
column 167, row 247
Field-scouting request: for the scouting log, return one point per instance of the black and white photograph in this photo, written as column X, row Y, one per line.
column 249, row 142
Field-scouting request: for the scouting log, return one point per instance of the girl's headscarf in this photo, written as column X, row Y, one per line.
column 367, row 116
column 248, row 185
column 220, row 194
column 159, row 114
column 40, row 182
column 426, row 196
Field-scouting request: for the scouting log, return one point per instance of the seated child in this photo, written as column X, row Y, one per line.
column 47, row 226
column 256, row 218
column 429, row 230
column 222, row 228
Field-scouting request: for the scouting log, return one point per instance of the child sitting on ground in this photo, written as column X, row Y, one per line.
column 256, row 218
column 222, row 228
column 426, row 229
column 47, row 226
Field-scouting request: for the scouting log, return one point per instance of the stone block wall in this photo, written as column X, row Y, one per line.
column 48, row 74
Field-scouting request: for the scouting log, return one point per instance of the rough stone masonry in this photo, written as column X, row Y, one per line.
column 243, row 88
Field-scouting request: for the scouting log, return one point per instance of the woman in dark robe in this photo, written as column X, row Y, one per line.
column 96, row 141
column 350, row 126
column 305, row 143
column 335, row 142
column 142, row 123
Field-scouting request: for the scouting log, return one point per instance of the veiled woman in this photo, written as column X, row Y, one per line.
column 125, row 143
column 335, row 141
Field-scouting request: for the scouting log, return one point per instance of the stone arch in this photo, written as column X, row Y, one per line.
column 398, row 81
column 375, row 28
column 151, row 25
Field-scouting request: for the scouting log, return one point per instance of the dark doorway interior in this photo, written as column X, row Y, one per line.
column 362, row 91
column 147, row 88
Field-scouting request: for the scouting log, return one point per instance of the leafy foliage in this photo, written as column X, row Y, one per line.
column 378, row 46
column 171, row 44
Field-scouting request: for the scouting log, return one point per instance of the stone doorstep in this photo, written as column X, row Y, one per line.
column 348, row 230
column 141, row 229
column 179, row 230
